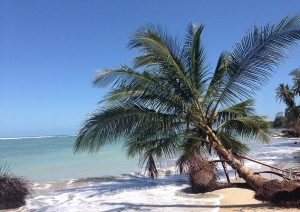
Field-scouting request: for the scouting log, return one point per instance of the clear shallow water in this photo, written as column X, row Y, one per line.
column 42, row 159
column 46, row 161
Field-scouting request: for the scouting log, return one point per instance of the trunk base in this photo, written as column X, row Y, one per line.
column 201, row 174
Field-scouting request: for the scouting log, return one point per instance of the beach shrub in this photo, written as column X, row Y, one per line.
column 283, row 194
column 13, row 190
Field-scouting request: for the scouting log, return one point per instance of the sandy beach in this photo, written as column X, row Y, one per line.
column 238, row 199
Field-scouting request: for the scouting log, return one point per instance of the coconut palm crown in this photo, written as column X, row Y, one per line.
column 170, row 103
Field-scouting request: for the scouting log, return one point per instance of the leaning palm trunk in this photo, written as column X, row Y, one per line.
column 254, row 180
column 170, row 103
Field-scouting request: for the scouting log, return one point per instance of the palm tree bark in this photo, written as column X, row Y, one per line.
column 254, row 180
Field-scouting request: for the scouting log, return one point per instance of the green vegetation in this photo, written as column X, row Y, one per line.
column 279, row 122
column 287, row 94
column 170, row 103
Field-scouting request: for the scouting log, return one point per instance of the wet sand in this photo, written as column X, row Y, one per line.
column 238, row 199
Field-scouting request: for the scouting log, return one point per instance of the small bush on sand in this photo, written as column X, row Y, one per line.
column 13, row 190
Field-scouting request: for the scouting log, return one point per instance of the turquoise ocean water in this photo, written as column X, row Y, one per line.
column 51, row 158
column 107, row 181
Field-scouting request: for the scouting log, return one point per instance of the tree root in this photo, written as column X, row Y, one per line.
column 283, row 194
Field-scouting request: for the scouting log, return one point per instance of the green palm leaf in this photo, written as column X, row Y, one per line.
column 284, row 93
column 111, row 123
column 232, row 143
column 160, row 51
column 194, row 58
column 249, row 128
column 242, row 109
column 251, row 62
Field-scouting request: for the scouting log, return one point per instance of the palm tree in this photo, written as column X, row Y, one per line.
column 296, row 80
column 170, row 103
column 285, row 94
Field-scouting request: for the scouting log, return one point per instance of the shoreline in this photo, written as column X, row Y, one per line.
column 135, row 192
column 245, row 200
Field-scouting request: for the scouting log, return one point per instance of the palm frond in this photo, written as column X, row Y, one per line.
column 247, row 128
column 251, row 62
column 182, row 163
column 150, row 166
column 215, row 85
column 242, row 109
column 111, row 123
column 232, row 143
column 149, row 96
column 123, row 74
column 194, row 58
column 146, row 87
column 285, row 94
column 165, row 146
column 160, row 51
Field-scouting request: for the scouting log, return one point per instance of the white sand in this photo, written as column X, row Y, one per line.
column 238, row 199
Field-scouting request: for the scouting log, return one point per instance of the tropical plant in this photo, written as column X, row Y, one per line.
column 170, row 103
column 296, row 81
column 287, row 94
column 279, row 122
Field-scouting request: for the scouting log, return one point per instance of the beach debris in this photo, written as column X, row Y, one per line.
column 290, row 134
column 13, row 190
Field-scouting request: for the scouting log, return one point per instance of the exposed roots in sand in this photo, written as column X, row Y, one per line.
column 283, row 194
column 203, row 179
column 201, row 174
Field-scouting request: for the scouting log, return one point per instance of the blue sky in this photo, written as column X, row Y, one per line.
column 50, row 49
